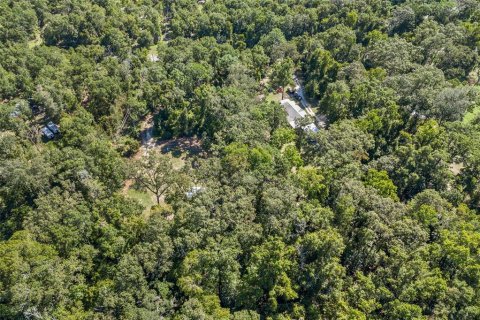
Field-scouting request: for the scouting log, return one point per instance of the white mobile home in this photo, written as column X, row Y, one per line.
column 295, row 112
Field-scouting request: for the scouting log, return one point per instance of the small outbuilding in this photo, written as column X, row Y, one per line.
column 311, row 128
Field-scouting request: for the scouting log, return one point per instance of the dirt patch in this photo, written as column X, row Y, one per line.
column 127, row 185
column 456, row 167
column 189, row 146
column 180, row 149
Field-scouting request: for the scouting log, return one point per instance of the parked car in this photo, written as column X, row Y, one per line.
column 297, row 96
column 47, row 133
column 53, row 127
column 36, row 109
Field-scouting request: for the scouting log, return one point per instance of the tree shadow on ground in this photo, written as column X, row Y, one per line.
column 178, row 147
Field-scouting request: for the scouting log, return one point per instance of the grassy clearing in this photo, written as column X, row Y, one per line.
column 148, row 200
column 178, row 151
column 145, row 198
column 273, row 97
column 177, row 158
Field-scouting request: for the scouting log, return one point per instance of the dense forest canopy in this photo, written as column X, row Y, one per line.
column 230, row 213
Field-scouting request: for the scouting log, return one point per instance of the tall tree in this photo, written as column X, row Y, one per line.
column 155, row 173
column 282, row 74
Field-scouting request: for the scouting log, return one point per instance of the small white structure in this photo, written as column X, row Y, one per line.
column 193, row 191
column 418, row 115
column 295, row 112
column 311, row 127
column 152, row 57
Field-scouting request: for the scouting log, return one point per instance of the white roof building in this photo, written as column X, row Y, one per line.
column 294, row 112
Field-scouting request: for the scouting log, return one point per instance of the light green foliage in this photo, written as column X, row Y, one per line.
column 380, row 181
column 313, row 182
column 222, row 280
column 293, row 156
column 32, row 277
column 282, row 136
column 267, row 276
column 236, row 157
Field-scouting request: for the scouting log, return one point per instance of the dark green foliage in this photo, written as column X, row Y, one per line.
column 376, row 216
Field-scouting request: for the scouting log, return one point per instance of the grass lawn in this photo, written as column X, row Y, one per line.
column 145, row 198
column 274, row 97
column 177, row 158
column 469, row 116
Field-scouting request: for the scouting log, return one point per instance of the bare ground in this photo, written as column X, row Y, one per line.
column 456, row 167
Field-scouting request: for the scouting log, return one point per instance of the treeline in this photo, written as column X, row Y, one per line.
column 373, row 217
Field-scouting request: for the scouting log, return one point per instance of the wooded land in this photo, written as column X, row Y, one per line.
column 175, row 188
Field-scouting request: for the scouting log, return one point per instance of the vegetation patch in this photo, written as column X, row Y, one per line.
column 149, row 171
column 470, row 116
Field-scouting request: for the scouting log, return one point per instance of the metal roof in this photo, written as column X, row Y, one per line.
column 293, row 111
